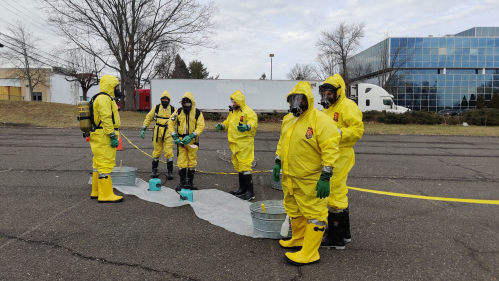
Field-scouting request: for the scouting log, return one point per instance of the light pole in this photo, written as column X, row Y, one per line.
column 271, row 56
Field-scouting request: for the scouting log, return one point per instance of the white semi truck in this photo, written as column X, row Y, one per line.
column 372, row 97
column 263, row 96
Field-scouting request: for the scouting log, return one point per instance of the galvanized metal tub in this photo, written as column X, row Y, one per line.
column 124, row 176
column 268, row 224
column 276, row 185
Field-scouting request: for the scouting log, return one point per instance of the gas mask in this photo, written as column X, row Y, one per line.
column 117, row 92
column 297, row 104
column 232, row 102
column 186, row 105
column 326, row 99
column 165, row 102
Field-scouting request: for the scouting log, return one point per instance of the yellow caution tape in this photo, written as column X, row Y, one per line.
column 476, row 201
column 203, row 172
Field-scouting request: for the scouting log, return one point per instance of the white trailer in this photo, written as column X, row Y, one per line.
column 263, row 96
column 372, row 97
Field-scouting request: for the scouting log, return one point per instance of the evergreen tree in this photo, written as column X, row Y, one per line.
column 198, row 70
column 480, row 103
column 494, row 102
column 180, row 71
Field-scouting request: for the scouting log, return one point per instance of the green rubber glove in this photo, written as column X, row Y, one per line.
column 243, row 128
column 188, row 139
column 277, row 170
column 114, row 140
column 322, row 187
column 219, row 127
column 143, row 133
column 176, row 140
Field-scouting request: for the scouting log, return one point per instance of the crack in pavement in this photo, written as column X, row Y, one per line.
column 474, row 254
column 480, row 173
column 298, row 275
column 72, row 161
column 101, row 260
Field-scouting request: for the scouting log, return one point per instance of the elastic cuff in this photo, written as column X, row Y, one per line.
column 194, row 133
column 113, row 134
column 169, row 159
column 249, row 127
column 327, row 169
column 144, row 127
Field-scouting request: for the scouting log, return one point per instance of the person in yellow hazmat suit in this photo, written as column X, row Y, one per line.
column 241, row 127
column 348, row 118
column 307, row 152
column 161, row 138
column 185, row 126
column 103, row 140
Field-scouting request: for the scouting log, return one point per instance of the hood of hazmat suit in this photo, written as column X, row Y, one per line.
column 244, row 115
column 306, row 144
column 106, row 114
column 242, row 144
column 311, row 139
column 345, row 113
column 187, row 123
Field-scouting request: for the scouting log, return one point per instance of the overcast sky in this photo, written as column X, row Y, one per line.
column 251, row 30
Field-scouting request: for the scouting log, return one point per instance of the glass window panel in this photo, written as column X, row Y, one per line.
column 473, row 57
column 426, row 51
column 474, row 51
column 466, row 51
column 489, row 51
column 417, row 77
column 418, row 64
column 450, row 51
column 474, row 42
column 418, row 58
column 489, row 58
column 465, row 64
column 496, row 51
column 409, row 89
column 496, row 64
column 403, row 42
column 441, row 83
column 418, row 51
column 410, row 64
column 472, row 83
column 481, row 64
column 481, row 51
column 488, row 90
column 466, row 42
column 442, row 57
column 459, row 43
column 489, row 64
column 466, row 58
column 449, row 83
column 496, row 57
column 464, row 83
column 417, row 96
column 449, row 64
column 456, row 83
column 448, row 90
column 458, row 57
column 426, row 64
column 442, row 42
column 411, row 42
column 481, row 57
column 456, row 96
column 427, row 42
column 465, row 77
column 433, row 51
column 457, row 77
column 482, row 42
column 419, row 42
column 395, row 43
column 434, row 42
column 433, row 58
column 458, row 51
column 457, row 64
column 440, row 64
column 480, row 77
column 492, row 31
column 488, row 77
column 496, row 44
column 496, row 77
column 425, row 77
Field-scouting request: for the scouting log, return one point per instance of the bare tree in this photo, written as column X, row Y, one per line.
column 128, row 31
column 23, row 56
column 327, row 65
column 391, row 62
column 82, row 68
column 342, row 43
column 163, row 68
column 301, row 72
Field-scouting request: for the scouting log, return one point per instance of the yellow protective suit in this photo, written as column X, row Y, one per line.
column 105, row 109
column 184, row 125
column 242, row 144
column 307, row 143
column 161, row 139
column 348, row 118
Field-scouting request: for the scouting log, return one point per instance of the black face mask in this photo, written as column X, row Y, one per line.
column 295, row 106
column 165, row 103
column 117, row 92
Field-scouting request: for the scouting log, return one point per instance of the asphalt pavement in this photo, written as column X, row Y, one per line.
column 50, row 229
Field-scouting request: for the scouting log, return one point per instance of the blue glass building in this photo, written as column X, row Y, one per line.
column 433, row 73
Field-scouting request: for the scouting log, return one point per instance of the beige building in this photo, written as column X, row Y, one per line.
column 54, row 89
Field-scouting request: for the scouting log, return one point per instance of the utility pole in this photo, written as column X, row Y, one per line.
column 271, row 56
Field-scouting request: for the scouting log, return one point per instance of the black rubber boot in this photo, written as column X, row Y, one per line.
column 248, row 184
column 155, row 164
column 182, row 175
column 242, row 187
column 191, row 179
column 346, row 217
column 169, row 166
column 336, row 231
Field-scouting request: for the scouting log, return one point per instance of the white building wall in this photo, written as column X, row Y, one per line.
column 63, row 91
